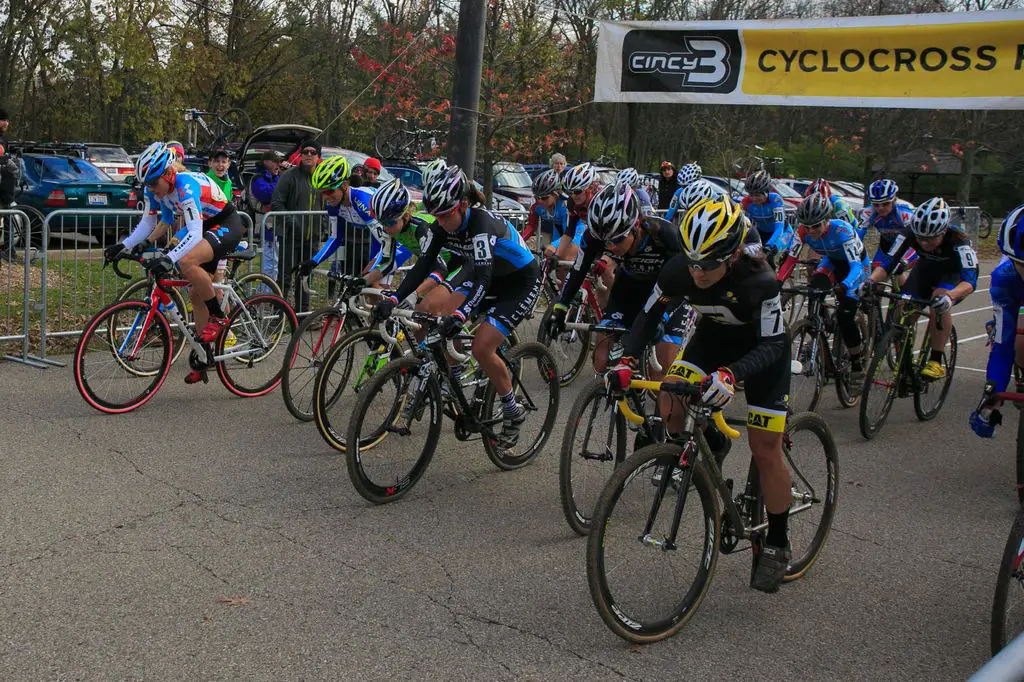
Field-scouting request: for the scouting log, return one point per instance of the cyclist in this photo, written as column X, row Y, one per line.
column 946, row 271
column 687, row 175
column 550, row 216
column 213, row 230
column 741, row 336
column 1007, row 292
column 499, row 279
column 580, row 184
column 704, row 190
column 840, row 209
column 631, row 177
column 766, row 210
column 889, row 217
column 843, row 265
column 642, row 245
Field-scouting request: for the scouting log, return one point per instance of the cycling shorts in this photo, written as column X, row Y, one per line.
column 510, row 299
column 923, row 281
column 767, row 391
column 628, row 297
column 223, row 237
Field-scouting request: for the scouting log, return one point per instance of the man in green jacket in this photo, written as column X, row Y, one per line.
column 299, row 235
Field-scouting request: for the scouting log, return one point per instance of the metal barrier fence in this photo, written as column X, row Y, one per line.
column 17, row 294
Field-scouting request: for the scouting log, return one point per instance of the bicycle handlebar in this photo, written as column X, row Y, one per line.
column 680, row 389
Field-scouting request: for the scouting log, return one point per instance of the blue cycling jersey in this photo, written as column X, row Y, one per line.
column 673, row 205
column 357, row 214
column 556, row 221
column 646, row 205
column 770, row 220
column 1007, row 292
column 889, row 227
column 840, row 245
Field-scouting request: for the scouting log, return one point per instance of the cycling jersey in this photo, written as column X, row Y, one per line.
column 492, row 251
column 673, row 205
column 842, row 211
column 1007, row 292
column 357, row 214
column 954, row 261
column 889, row 227
column 396, row 249
column 553, row 222
column 646, row 206
column 200, row 201
column 839, row 247
column 770, row 220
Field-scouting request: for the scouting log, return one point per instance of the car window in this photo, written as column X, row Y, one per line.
column 108, row 155
column 408, row 176
column 784, row 190
column 357, row 159
column 58, row 169
column 516, row 179
column 607, row 177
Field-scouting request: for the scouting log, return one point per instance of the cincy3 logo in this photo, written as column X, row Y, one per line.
column 680, row 61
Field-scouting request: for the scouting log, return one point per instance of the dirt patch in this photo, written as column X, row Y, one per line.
column 15, row 271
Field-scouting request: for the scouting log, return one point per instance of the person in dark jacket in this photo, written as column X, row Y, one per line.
column 298, row 235
column 667, row 185
column 8, row 179
column 262, row 192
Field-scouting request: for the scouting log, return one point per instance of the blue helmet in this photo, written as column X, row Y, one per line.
column 882, row 190
column 390, row 202
column 1011, row 232
column 153, row 162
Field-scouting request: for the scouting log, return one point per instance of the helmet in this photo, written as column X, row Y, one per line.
column 814, row 210
column 546, row 184
column 445, row 189
column 688, row 173
column 390, row 202
column 330, row 173
column 931, row 218
column 153, row 162
column 436, row 166
column 579, row 178
column 613, row 212
column 178, row 149
column 882, row 190
column 629, row 176
column 819, row 186
column 758, row 182
column 698, row 191
column 712, row 231
column 1010, row 239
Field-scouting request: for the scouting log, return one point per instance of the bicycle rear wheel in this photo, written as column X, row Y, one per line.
column 881, row 385
column 593, row 445
column 122, row 357
column 254, row 333
column 305, row 355
column 808, row 366
column 347, row 370
column 256, row 283
column 139, row 291
column 929, row 395
column 847, row 394
column 644, row 588
column 570, row 349
column 535, row 383
column 401, row 413
column 1008, row 603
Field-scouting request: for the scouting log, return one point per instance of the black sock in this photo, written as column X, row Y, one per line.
column 213, row 305
column 936, row 356
column 778, row 529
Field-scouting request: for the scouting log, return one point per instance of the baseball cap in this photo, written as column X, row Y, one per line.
column 270, row 155
column 667, row 164
column 373, row 164
column 218, row 152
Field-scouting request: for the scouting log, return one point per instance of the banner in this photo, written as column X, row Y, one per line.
column 968, row 60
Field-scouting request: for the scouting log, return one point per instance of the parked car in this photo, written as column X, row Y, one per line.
column 512, row 180
column 49, row 183
column 535, row 169
column 606, row 175
column 112, row 159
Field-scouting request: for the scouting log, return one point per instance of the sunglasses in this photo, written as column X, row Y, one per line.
column 881, row 203
column 446, row 214
column 309, row 152
column 816, row 226
column 619, row 240
column 578, row 192
column 705, row 265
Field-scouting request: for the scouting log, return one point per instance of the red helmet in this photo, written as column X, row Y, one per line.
column 819, row 186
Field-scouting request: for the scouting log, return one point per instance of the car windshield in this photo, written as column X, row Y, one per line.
column 518, row 179
column 784, row 190
column 357, row 159
column 58, row 169
column 607, row 176
column 108, row 155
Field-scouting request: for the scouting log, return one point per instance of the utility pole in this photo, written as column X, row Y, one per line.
column 469, row 59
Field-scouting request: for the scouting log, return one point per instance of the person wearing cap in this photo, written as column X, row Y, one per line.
column 262, row 191
column 667, row 186
column 294, row 192
column 371, row 171
column 218, row 163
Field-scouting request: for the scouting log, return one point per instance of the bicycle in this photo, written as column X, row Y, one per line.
column 571, row 347
column 632, row 594
column 985, row 222
column 814, row 359
column 1008, row 602
column 230, row 126
column 133, row 338
column 893, row 372
column 403, row 143
column 408, row 397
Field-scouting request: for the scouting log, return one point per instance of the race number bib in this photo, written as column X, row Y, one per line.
column 853, row 249
column 190, row 210
column 771, row 317
column 968, row 258
column 482, row 247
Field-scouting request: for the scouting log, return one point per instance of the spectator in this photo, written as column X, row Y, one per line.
column 262, row 191
column 558, row 163
column 371, row 171
column 9, row 173
column 297, row 238
column 667, row 186
column 218, row 170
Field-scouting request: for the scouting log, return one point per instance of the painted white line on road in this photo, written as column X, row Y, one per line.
column 960, row 342
column 970, row 369
column 962, row 312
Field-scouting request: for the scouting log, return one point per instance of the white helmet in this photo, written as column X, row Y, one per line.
column 444, row 190
column 613, row 212
column 435, row 167
column 931, row 218
column 691, row 172
column 629, row 176
column 579, row 178
column 696, row 192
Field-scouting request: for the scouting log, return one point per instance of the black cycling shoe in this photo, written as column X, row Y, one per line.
column 510, row 426
column 771, row 568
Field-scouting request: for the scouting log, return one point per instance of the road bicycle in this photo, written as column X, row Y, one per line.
column 895, row 368
column 649, row 566
column 571, row 348
column 124, row 353
column 1008, row 602
column 401, row 408
column 985, row 225
column 405, row 143
column 224, row 128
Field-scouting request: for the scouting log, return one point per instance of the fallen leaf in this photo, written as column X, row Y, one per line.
column 636, row 648
column 233, row 601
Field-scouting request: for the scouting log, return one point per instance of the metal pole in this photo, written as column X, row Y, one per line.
column 469, row 58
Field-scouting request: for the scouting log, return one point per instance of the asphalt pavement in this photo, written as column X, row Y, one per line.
column 209, row 537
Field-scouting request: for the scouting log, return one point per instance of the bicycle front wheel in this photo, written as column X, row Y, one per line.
column 881, row 384
column 535, row 384
column 930, row 394
column 249, row 366
column 647, row 580
column 305, row 355
column 1008, row 604
column 841, row 358
column 123, row 357
column 807, row 372
column 571, row 348
column 401, row 412
column 593, row 445
column 139, row 291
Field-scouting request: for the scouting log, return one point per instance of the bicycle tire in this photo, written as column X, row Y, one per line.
column 265, row 321
column 305, row 356
column 575, row 355
column 921, row 390
column 234, row 125
column 1011, row 571
column 400, row 372
column 806, row 344
column 138, row 290
column 334, row 379
column 250, row 285
column 870, row 425
column 841, row 363
column 1020, row 459
column 101, row 325
column 35, row 227
column 985, row 225
column 587, row 405
column 620, row 617
column 531, row 394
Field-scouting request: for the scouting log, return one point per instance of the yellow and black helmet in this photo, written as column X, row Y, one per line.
column 712, row 230
column 330, row 173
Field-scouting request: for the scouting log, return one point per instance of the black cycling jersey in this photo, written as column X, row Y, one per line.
column 657, row 242
column 490, row 247
column 744, row 308
column 954, row 260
